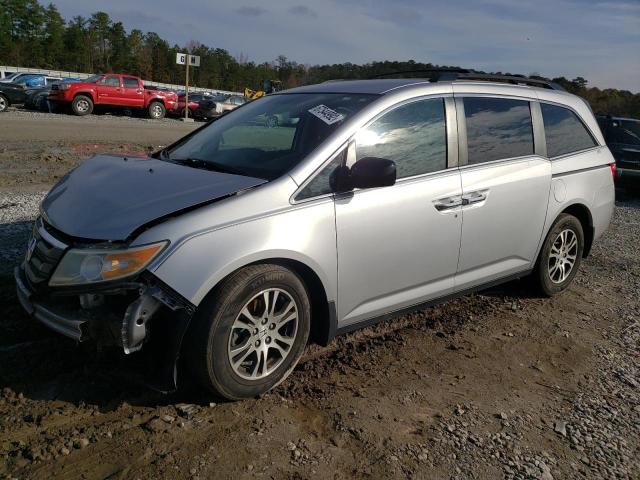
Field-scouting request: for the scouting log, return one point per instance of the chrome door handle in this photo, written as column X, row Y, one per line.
column 447, row 203
column 473, row 197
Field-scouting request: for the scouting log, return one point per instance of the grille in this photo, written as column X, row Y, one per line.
column 43, row 255
column 55, row 87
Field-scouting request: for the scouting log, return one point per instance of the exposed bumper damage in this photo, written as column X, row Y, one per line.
column 139, row 313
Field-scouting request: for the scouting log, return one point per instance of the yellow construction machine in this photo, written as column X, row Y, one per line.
column 268, row 86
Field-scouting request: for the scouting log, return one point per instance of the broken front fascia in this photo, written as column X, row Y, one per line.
column 118, row 314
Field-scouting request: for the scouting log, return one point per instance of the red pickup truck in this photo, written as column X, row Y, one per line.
column 112, row 90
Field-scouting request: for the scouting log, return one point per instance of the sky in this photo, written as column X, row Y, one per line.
column 598, row 40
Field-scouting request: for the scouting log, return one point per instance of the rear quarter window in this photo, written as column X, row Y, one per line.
column 564, row 131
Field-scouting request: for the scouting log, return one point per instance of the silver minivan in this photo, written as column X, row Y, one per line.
column 228, row 251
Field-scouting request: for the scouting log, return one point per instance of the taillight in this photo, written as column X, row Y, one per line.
column 613, row 171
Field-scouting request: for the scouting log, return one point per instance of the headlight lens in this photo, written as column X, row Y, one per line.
column 80, row 267
column 64, row 86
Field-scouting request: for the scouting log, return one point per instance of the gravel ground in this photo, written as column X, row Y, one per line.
column 562, row 401
column 37, row 148
column 21, row 114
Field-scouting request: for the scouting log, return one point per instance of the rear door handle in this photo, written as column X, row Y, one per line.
column 447, row 203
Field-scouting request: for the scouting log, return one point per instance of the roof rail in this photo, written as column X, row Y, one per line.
column 452, row 74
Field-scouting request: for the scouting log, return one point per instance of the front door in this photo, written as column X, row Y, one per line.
column 505, row 189
column 109, row 90
column 398, row 246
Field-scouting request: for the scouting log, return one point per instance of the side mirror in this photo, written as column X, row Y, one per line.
column 368, row 172
column 372, row 172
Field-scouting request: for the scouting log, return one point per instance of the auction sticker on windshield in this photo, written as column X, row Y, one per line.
column 325, row 114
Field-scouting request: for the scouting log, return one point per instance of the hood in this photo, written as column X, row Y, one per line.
column 109, row 197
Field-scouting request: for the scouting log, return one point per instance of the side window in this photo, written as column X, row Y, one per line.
column 412, row 135
column 130, row 82
column 110, row 81
column 321, row 183
column 564, row 131
column 497, row 128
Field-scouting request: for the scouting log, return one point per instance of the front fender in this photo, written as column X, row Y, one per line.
column 307, row 235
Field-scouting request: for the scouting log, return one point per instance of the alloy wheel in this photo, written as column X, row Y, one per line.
column 562, row 256
column 263, row 334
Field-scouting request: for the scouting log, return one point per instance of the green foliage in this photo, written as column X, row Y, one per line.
column 32, row 35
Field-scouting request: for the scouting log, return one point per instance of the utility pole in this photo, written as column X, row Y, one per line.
column 187, row 60
column 186, row 94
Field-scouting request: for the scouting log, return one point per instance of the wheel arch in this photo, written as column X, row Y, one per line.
column 86, row 93
column 323, row 310
column 583, row 214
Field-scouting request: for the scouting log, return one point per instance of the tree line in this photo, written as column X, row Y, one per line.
column 35, row 35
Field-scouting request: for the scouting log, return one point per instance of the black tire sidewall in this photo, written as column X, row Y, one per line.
column 77, row 99
column 563, row 222
column 222, row 314
column 6, row 104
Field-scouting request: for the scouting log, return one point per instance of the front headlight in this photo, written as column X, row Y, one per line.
column 79, row 267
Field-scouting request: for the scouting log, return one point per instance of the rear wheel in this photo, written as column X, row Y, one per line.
column 4, row 103
column 82, row 105
column 157, row 110
column 560, row 256
column 249, row 334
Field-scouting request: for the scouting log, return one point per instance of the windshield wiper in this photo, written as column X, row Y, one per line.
column 206, row 165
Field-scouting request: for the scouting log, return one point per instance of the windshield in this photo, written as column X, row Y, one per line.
column 269, row 136
column 93, row 78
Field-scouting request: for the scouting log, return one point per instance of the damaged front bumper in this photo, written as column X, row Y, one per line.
column 144, row 312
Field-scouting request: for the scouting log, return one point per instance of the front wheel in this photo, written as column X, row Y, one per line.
column 4, row 103
column 157, row 110
column 249, row 334
column 560, row 256
column 82, row 105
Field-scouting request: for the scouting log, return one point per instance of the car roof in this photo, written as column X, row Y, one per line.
column 375, row 86
column 625, row 119
column 388, row 85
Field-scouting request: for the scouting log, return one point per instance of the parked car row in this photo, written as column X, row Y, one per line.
column 205, row 106
column 110, row 91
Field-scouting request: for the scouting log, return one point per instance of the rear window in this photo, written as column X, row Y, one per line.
column 497, row 128
column 564, row 131
column 130, row 82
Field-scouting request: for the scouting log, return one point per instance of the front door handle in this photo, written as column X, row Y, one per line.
column 474, row 197
column 447, row 203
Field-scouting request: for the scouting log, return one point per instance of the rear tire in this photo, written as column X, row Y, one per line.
column 157, row 110
column 4, row 103
column 82, row 105
column 560, row 257
column 249, row 333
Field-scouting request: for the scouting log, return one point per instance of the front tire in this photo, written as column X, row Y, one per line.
column 249, row 333
column 4, row 103
column 561, row 255
column 157, row 110
column 82, row 105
